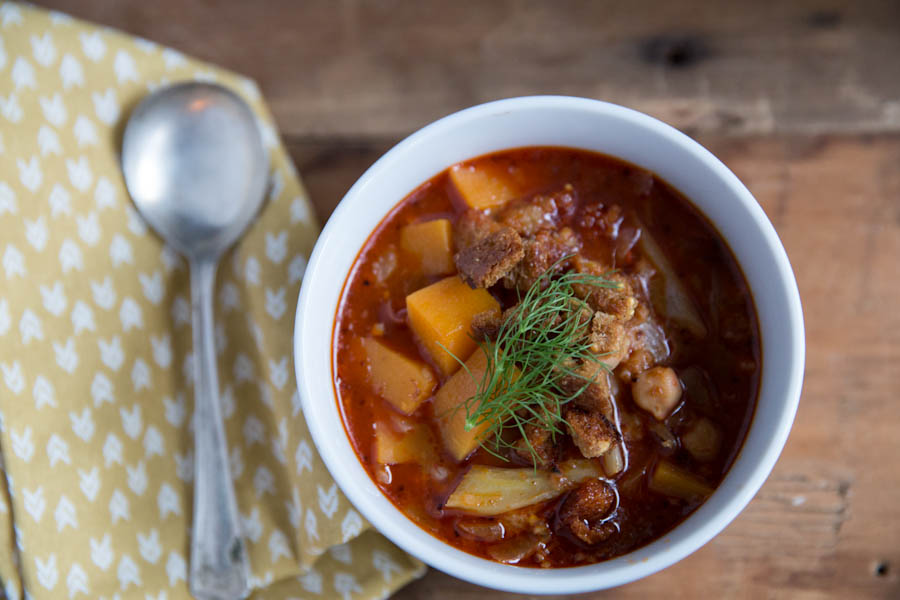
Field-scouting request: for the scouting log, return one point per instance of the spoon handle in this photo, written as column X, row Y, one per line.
column 219, row 567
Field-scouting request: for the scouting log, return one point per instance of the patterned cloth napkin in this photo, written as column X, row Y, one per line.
column 95, row 350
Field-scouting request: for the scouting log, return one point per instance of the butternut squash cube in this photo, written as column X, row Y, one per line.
column 413, row 446
column 432, row 243
column 485, row 186
column 450, row 407
column 402, row 381
column 441, row 315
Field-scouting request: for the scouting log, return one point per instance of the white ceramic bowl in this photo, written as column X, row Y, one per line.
column 577, row 123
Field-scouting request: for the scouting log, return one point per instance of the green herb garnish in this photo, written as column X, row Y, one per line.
column 539, row 340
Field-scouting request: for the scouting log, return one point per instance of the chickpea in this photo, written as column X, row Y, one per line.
column 658, row 391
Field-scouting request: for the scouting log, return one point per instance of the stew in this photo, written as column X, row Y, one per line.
column 546, row 357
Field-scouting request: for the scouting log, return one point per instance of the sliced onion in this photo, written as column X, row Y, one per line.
column 517, row 549
column 614, row 461
column 481, row 529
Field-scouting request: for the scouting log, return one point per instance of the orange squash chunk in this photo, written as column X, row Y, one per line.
column 413, row 446
column 441, row 315
column 432, row 243
column 485, row 186
column 402, row 381
column 450, row 407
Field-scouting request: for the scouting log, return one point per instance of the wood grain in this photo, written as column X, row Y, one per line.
column 384, row 68
column 801, row 99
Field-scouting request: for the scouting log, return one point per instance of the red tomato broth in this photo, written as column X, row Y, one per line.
column 728, row 359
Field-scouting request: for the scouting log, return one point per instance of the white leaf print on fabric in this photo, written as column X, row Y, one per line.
column 92, row 45
column 7, row 200
column 54, row 298
column 294, row 508
column 112, row 450
column 276, row 246
column 137, row 478
column 101, row 389
column 80, row 175
column 254, row 431
column 118, row 507
column 312, row 533
column 385, row 565
column 251, row 525
column 48, row 141
column 43, row 393
column 86, row 135
column 104, row 293
column 278, row 546
column 13, row 377
column 82, row 318
column 275, row 303
column 89, row 482
column 243, row 368
column 46, row 571
column 13, row 262
column 65, row 514
column 263, row 481
column 328, row 500
column 106, row 106
column 149, row 546
column 70, row 256
column 30, row 327
column 57, row 450
column 312, row 581
column 296, row 269
column 82, row 424
column 303, row 457
column 120, row 251
column 152, row 286
column 34, row 503
column 128, row 573
column 89, row 228
column 102, row 552
column 10, row 108
column 43, row 49
column 60, row 201
column 111, row 353
column 351, row 526
column 229, row 297
column 154, row 445
column 66, row 355
column 278, row 372
column 70, row 72
column 125, row 68
column 168, row 501
column 23, row 74
column 176, row 569
column 54, row 109
column 341, row 553
column 345, row 584
column 184, row 466
column 140, row 375
column 131, row 421
column 36, row 233
column 181, row 311
column 104, row 193
column 77, row 581
column 175, row 410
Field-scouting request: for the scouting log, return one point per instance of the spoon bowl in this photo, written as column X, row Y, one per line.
column 195, row 166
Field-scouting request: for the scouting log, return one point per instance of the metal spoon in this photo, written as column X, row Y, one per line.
column 196, row 168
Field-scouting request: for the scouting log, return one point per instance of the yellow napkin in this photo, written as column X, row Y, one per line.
column 95, row 342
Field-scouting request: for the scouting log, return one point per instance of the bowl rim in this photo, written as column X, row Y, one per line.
column 640, row 562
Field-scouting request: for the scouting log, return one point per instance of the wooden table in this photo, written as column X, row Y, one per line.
column 801, row 99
